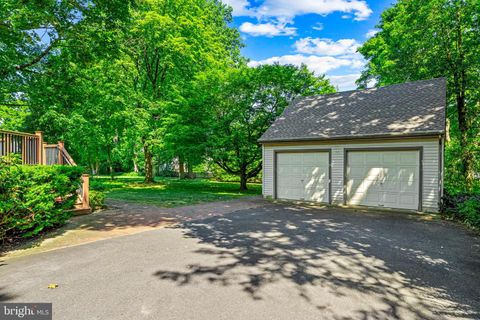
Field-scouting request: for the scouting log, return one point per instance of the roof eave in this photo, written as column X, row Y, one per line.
column 351, row 137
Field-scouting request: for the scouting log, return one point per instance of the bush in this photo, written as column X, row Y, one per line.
column 464, row 207
column 97, row 199
column 33, row 198
column 96, row 184
column 470, row 210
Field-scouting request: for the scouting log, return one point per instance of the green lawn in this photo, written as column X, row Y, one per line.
column 170, row 192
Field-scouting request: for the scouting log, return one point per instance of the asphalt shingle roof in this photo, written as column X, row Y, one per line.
column 407, row 109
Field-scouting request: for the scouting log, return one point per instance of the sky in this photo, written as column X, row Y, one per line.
column 323, row 34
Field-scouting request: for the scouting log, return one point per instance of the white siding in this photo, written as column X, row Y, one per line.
column 430, row 168
column 267, row 171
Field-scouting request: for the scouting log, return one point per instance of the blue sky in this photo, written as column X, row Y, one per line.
column 323, row 34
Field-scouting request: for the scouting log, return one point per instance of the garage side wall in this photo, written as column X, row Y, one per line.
column 430, row 168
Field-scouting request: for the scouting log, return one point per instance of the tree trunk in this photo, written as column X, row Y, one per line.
column 110, row 164
column 181, row 169
column 148, row 165
column 135, row 165
column 97, row 167
column 460, row 79
column 190, row 173
column 447, row 130
column 463, row 126
column 243, row 180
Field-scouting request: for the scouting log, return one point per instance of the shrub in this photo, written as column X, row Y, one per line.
column 470, row 211
column 96, row 184
column 33, row 198
column 97, row 199
column 464, row 207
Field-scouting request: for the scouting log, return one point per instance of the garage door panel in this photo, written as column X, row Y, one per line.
column 357, row 172
column 318, row 195
column 383, row 178
column 290, row 182
column 372, row 197
column 313, row 172
column 408, row 158
column 357, row 158
column 408, row 187
column 286, row 159
column 294, row 170
column 406, row 199
column 284, row 170
column 407, row 174
column 303, row 176
column 291, row 194
column 315, row 159
column 315, row 184
column 390, row 159
column 365, row 198
column 390, row 185
column 373, row 159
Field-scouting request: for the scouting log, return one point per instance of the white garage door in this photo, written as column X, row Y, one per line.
column 383, row 179
column 303, row 176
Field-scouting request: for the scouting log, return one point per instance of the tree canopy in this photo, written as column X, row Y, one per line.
column 129, row 85
column 248, row 101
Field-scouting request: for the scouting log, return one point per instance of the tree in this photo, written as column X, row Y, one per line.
column 32, row 32
column 248, row 101
column 428, row 39
column 57, row 72
column 169, row 42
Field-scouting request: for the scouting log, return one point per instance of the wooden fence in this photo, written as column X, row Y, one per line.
column 32, row 150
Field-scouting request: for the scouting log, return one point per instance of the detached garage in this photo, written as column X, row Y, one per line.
column 380, row 147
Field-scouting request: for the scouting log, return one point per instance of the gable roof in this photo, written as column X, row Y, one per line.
column 407, row 109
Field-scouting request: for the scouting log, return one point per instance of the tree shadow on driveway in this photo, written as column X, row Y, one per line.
column 396, row 266
column 5, row 296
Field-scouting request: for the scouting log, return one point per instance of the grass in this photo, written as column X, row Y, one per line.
column 170, row 192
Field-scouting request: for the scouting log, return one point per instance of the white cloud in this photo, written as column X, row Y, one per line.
column 345, row 82
column 290, row 9
column 268, row 29
column 240, row 7
column 371, row 33
column 326, row 47
column 319, row 65
column 318, row 26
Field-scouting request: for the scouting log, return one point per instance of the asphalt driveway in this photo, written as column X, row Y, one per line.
column 272, row 261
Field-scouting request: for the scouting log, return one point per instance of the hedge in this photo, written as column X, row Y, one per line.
column 464, row 207
column 34, row 198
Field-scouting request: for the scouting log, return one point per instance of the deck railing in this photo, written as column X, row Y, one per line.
column 57, row 154
column 26, row 145
column 33, row 151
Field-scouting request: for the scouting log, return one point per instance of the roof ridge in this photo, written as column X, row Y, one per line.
column 382, row 87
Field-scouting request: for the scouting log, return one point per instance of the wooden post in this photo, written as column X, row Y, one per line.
column 24, row 150
column 60, row 147
column 40, row 148
column 7, row 143
column 85, row 191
